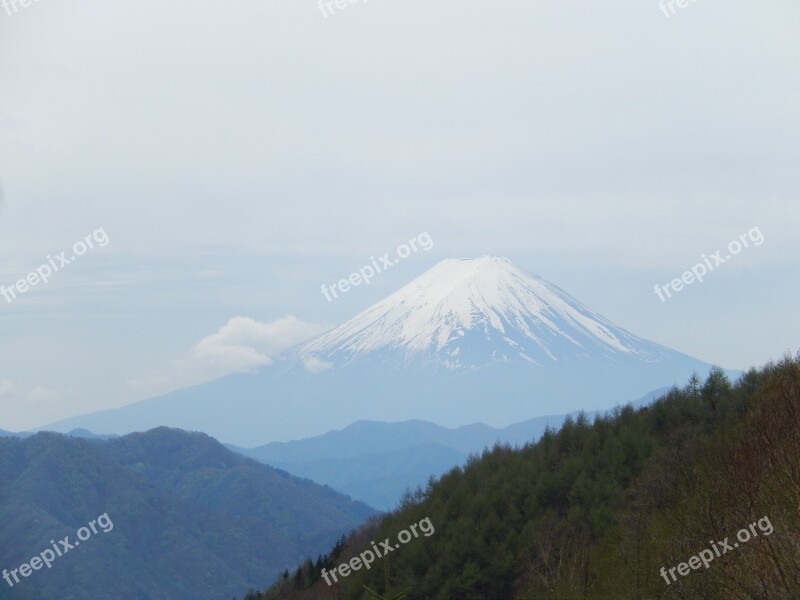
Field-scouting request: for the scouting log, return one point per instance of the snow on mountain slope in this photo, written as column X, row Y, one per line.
column 469, row 312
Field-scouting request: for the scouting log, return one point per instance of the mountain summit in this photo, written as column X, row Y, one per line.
column 471, row 312
column 470, row 340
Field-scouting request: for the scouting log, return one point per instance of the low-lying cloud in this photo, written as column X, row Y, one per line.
column 242, row 345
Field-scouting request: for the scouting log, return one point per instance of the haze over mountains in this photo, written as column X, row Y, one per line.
column 470, row 340
column 376, row 462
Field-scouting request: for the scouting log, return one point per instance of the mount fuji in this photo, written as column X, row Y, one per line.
column 470, row 313
column 470, row 340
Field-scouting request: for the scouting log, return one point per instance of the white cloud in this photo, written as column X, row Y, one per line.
column 243, row 344
column 240, row 346
column 315, row 365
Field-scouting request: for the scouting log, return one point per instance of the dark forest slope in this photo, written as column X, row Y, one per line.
column 595, row 510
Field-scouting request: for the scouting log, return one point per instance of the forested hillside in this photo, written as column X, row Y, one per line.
column 597, row 509
column 190, row 518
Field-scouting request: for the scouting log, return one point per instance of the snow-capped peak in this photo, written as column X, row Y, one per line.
column 467, row 312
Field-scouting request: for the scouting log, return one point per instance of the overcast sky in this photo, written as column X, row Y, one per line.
column 239, row 155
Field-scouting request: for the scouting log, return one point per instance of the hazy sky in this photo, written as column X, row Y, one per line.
column 238, row 155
